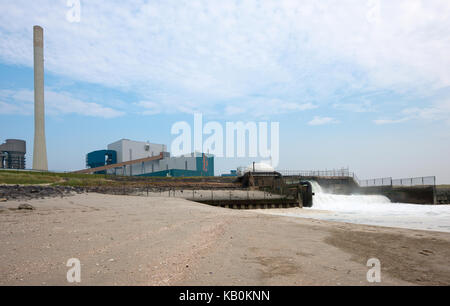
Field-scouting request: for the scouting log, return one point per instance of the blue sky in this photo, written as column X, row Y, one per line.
column 364, row 84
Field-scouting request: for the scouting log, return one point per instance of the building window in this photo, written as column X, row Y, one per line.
column 185, row 165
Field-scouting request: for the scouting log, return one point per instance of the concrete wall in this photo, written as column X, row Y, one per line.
column 336, row 185
column 413, row 195
column 442, row 195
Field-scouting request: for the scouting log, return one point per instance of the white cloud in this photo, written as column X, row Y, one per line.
column 205, row 52
column 437, row 112
column 390, row 121
column 322, row 121
column 263, row 107
column 56, row 103
column 255, row 107
column 10, row 109
column 362, row 107
column 150, row 108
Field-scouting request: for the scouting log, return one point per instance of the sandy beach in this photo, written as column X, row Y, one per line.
column 131, row 240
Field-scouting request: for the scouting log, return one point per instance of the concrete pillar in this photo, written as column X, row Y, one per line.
column 40, row 149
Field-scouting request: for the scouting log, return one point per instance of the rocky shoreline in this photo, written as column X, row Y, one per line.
column 28, row 192
column 20, row 192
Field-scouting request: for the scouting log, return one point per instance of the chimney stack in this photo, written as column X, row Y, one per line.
column 40, row 150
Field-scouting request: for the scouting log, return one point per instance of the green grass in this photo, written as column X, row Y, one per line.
column 36, row 178
column 85, row 180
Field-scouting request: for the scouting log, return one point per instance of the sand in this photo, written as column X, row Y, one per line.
column 131, row 240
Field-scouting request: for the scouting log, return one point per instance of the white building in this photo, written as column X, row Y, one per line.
column 131, row 150
column 194, row 164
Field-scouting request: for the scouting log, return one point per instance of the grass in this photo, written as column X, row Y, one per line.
column 443, row 186
column 51, row 178
column 87, row 180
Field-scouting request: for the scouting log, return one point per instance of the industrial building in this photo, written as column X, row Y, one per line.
column 135, row 158
column 12, row 154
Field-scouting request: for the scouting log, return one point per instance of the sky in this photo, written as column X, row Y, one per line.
column 353, row 83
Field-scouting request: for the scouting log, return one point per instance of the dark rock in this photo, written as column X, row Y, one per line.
column 26, row 207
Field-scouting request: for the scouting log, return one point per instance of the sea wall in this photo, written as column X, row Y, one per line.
column 412, row 195
column 442, row 195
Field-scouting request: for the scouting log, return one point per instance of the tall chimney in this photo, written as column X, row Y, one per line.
column 40, row 150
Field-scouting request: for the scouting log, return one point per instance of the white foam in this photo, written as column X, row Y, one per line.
column 376, row 210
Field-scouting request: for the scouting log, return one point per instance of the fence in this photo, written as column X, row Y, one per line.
column 386, row 181
column 407, row 182
column 416, row 181
column 325, row 173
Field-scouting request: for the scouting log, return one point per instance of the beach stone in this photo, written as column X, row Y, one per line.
column 26, row 207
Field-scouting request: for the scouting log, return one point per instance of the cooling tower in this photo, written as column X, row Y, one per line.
column 40, row 150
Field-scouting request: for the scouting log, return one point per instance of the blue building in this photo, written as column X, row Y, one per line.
column 195, row 164
column 101, row 158
column 125, row 150
column 232, row 173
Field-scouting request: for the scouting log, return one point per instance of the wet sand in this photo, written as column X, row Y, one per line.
column 127, row 240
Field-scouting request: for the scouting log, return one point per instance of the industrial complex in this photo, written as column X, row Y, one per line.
column 134, row 158
column 12, row 154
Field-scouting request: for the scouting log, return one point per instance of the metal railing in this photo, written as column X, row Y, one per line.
column 344, row 172
column 387, row 181
column 407, row 182
column 319, row 173
column 415, row 181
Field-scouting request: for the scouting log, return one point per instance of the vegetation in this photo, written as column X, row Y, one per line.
column 50, row 178
column 88, row 180
column 443, row 186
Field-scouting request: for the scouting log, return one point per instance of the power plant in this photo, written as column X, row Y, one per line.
column 136, row 158
column 12, row 154
column 40, row 150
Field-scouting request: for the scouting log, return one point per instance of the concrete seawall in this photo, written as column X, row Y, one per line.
column 401, row 194
column 442, row 195
column 413, row 195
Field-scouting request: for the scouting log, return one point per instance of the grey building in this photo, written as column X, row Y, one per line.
column 12, row 154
